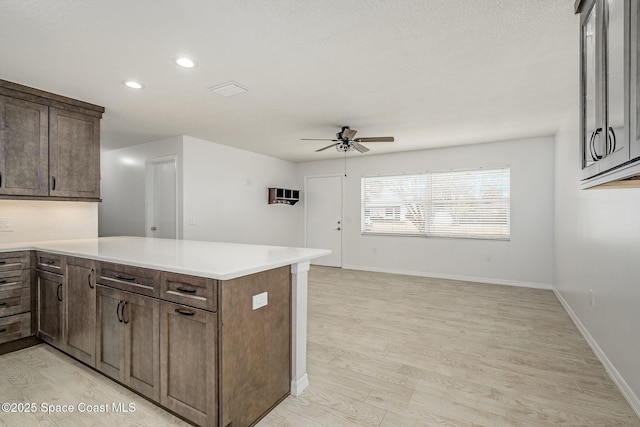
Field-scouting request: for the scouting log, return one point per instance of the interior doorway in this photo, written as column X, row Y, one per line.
column 162, row 198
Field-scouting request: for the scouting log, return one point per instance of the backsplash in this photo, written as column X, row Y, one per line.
column 47, row 220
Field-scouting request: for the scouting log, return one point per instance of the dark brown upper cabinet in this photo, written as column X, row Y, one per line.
column 609, row 94
column 49, row 145
column 24, row 142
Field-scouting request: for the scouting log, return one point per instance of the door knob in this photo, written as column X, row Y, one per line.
column 338, row 228
column 153, row 228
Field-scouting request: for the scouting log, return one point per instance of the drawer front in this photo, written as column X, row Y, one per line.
column 193, row 291
column 15, row 301
column 49, row 262
column 10, row 261
column 128, row 278
column 15, row 327
column 15, row 279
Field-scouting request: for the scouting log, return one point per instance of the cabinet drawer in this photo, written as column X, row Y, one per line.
column 15, row 261
column 128, row 278
column 49, row 262
column 15, row 279
column 15, row 327
column 15, row 301
column 193, row 291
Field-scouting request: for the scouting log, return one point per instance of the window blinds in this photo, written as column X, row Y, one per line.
column 464, row 204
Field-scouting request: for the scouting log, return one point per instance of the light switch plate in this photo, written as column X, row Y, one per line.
column 6, row 224
column 260, row 300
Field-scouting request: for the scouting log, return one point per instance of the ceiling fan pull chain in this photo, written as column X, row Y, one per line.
column 345, row 164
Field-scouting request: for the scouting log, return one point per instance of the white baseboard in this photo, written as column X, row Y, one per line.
column 452, row 277
column 297, row 387
column 626, row 391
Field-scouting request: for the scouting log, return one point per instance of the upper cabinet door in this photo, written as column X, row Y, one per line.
column 635, row 80
column 591, row 116
column 74, row 154
column 605, row 41
column 23, row 148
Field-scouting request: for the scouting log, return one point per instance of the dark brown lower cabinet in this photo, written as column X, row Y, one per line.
column 255, row 346
column 188, row 362
column 127, row 339
column 80, row 309
column 50, row 307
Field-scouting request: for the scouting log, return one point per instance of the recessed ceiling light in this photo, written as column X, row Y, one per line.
column 228, row 89
column 186, row 62
column 132, row 84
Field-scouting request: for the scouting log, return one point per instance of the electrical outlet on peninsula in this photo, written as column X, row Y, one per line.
column 260, row 300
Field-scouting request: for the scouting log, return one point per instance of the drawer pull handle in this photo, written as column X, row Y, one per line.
column 185, row 291
column 184, row 312
column 118, row 311
column 2, row 304
column 127, row 278
column 58, row 292
column 89, row 279
column 2, row 282
column 3, row 262
column 3, row 330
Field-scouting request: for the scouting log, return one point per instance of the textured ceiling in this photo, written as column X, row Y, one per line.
column 432, row 73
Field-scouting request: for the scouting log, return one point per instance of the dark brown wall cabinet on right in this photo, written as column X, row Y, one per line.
column 609, row 90
column 49, row 145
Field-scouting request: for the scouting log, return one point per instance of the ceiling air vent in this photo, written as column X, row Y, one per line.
column 228, row 89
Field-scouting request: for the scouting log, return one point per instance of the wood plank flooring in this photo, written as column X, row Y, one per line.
column 391, row 350
column 386, row 350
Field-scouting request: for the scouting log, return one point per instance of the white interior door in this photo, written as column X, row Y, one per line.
column 324, row 218
column 162, row 212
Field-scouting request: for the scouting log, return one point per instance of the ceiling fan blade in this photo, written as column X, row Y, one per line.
column 349, row 133
column 328, row 146
column 376, row 139
column 361, row 148
column 319, row 139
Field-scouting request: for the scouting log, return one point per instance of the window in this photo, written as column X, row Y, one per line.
column 465, row 204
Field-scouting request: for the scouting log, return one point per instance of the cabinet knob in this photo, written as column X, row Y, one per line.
column 153, row 228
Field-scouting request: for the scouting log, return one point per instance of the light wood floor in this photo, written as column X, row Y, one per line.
column 386, row 350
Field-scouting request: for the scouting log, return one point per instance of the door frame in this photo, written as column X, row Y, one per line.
column 306, row 206
column 149, row 188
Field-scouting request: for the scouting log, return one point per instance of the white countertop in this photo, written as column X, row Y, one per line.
column 215, row 260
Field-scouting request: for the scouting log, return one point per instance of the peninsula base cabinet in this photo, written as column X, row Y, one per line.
column 201, row 348
column 80, row 310
column 50, row 307
column 127, row 344
column 188, row 343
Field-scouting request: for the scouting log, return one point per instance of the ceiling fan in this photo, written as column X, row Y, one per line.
column 346, row 142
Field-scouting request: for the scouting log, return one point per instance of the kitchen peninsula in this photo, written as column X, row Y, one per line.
column 214, row 332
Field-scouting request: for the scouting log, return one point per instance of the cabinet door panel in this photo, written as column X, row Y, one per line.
column 80, row 309
column 590, row 113
column 109, row 333
column 188, row 362
column 74, row 154
column 50, row 298
column 24, row 157
column 635, row 80
column 142, row 364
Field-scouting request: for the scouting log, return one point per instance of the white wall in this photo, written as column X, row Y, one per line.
column 225, row 196
column 122, row 211
column 597, row 246
column 527, row 259
column 223, row 193
column 46, row 220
